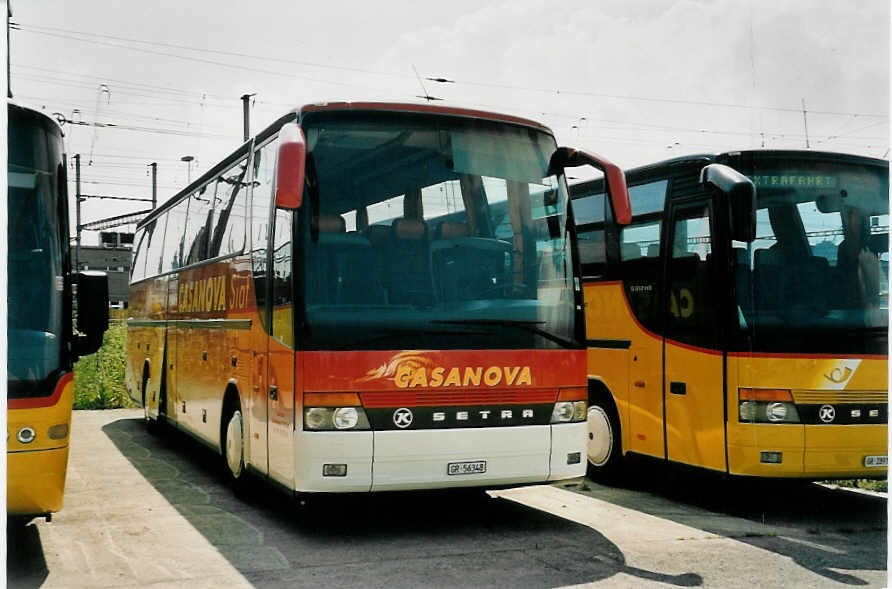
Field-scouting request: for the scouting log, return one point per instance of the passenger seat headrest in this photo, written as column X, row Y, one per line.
column 409, row 228
column 452, row 230
column 332, row 224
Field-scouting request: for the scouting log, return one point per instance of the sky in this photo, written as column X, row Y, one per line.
column 636, row 81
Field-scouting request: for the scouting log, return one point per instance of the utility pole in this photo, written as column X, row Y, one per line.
column 77, row 197
column 154, row 166
column 246, row 115
column 805, row 122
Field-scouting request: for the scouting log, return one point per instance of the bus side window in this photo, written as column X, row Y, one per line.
column 197, row 226
column 691, row 317
column 138, row 271
column 640, row 267
column 588, row 213
column 156, row 247
column 173, row 237
column 261, row 201
column 228, row 235
column 283, row 308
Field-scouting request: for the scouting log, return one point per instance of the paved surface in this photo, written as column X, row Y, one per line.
column 153, row 512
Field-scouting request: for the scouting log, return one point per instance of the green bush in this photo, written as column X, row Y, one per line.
column 99, row 377
column 880, row 486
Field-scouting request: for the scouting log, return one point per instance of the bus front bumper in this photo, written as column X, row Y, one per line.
column 807, row 451
column 421, row 459
column 35, row 481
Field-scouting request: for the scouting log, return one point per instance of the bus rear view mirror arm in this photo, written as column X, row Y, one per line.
column 291, row 167
column 92, row 310
column 567, row 157
column 741, row 195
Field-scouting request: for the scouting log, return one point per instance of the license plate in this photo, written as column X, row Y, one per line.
column 876, row 461
column 475, row 467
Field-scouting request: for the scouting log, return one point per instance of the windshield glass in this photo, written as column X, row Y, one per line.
column 820, row 260
column 34, row 265
column 436, row 232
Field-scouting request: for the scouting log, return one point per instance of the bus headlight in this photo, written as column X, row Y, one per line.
column 317, row 418
column 335, row 418
column 766, row 406
column 26, row 435
column 345, row 417
column 568, row 412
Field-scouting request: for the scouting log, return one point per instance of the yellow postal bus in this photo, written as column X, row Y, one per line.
column 41, row 346
column 739, row 324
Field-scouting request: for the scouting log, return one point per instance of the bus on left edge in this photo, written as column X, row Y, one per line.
column 42, row 343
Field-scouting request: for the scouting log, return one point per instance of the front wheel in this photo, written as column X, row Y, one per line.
column 604, row 447
column 234, row 451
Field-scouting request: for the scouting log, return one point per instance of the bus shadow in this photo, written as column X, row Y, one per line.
column 457, row 538
column 826, row 531
column 25, row 563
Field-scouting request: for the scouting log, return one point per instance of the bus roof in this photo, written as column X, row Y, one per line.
column 406, row 107
column 581, row 188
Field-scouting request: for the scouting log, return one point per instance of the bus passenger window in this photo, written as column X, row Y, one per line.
column 228, row 236
column 172, row 257
column 138, row 271
column 156, row 247
column 197, row 226
column 283, row 299
column 261, row 201
column 691, row 304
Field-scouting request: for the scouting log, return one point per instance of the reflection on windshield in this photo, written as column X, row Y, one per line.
column 34, row 265
column 417, row 226
column 821, row 256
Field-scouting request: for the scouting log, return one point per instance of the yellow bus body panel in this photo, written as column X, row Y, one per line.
column 634, row 377
column 35, row 477
column 808, row 451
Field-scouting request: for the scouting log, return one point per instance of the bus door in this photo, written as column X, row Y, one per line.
column 281, row 365
column 693, row 383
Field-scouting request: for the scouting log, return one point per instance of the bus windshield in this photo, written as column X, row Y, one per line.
column 821, row 256
column 433, row 231
column 35, row 250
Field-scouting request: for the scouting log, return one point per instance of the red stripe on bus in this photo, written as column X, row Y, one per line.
column 35, row 402
column 374, row 400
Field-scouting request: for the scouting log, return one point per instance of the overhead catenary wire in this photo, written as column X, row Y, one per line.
column 121, row 43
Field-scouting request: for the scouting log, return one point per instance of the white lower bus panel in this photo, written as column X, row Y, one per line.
column 421, row 459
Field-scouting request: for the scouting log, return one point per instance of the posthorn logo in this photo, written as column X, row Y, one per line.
column 827, row 413
column 402, row 418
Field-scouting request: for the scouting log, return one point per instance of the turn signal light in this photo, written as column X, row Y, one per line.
column 783, row 395
column 58, row 431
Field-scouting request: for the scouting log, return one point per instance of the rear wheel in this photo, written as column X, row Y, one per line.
column 604, row 448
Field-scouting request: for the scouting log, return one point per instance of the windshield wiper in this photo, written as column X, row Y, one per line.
column 529, row 326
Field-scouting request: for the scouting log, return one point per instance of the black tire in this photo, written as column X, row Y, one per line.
column 604, row 450
column 232, row 448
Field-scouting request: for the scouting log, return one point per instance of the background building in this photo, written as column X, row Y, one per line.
column 114, row 256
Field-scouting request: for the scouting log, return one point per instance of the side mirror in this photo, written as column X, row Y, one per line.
column 741, row 194
column 567, row 157
column 290, row 167
column 92, row 310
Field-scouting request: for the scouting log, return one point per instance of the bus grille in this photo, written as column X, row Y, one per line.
column 835, row 397
column 449, row 398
